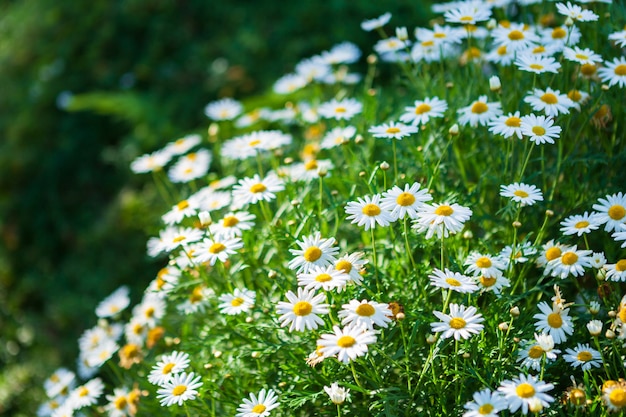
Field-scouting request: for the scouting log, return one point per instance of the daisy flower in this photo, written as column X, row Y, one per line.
column 150, row 162
column 515, row 36
column 59, row 383
column 554, row 321
column 169, row 365
column 389, row 45
column 367, row 212
column 619, row 37
column 310, row 170
column 611, row 211
column 301, row 312
column 462, row 322
column 402, row 203
column 441, row 219
column 342, row 53
column 337, row 136
column 171, row 238
column 151, row 309
column 380, row 21
column 180, row 388
column 392, row 130
column 224, row 109
column 532, row 356
column 617, row 271
column 614, row 72
column 521, row 254
column 507, row 126
column 452, row 281
column 614, row 395
column 101, row 353
column 218, row 248
column 493, row 283
column 485, row 403
column 289, row 83
column 327, row 278
column 340, row 110
column 479, row 112
column 197, row 301
column 114, row 303
column 550, row 101
column 581, row 56
column 484, row 264
column 523, row 391
column 525, row 194
column 347, row 343
column 337, row 394
column 559, row 37
column 423, row 110
column 620, row 235
column 314, row 251
column 365, row 314
column 233, row 224
column 579, row 224
column 576, row 12
column 258, row 406
column 86, row 394
column 182, row 145
column 252, row 190
column 579, row 98
column 240, row 301
column 583, row 356
column 572, row 261
column 540, row 129
column 182, row 209
column 467, row 14
column 190, row 167
column 501, row 56
column 119, row 403
column 352, row 264
column 537, row 64
column 598, row 260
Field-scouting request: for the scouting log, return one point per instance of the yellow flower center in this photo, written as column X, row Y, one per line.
column 617, row 212
column 422, row 108
column 536, row 66
column 581, row 224
column 588, row 69
column 236, row 302
column 371, row 210
column 405, row 199
column 182, row 205
column 393, row 130
column 365, row 310
column 428, row 43
column 538, row 130
column 535, row 352
column 457, row 323
column 553, row 253
column 479, row 107
column 487, row 281
column 516, row 35
column 444, row 210
column 192, row 156
column 83, row 392
column 439, row 35
column 150, row 312
column 230, row 221
column 168, row 368
column 344, row 266
column 258, row 188
column 525, row 390
column 217, row 247
column 302, row 308
column 179, row 239
column 196, row 295
column 554, row 320
column 582, row 57
column 584, row 356
column 569, row 258
column 54, row 378
column 620, row 70
column 501, row 50
column 622, row 315
column 618, row 397
column 179, row 390
column 312, row 254
column 453, row 282
column 312, row 164
column 259, row 409
column 574, row 95
column 466, row 18
column 521, row 193
column 559, row 33
column 483, row 262
column 620, row 266
column 485, row 409
column 346, row 341
column 323, row 278
column 539, row 49
column 513, row 121
column 254, row 142
column 577, row 397
column 120, row 403
column 340, row 109
column 549, row 98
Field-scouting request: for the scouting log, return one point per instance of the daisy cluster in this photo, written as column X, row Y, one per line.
column 450, row 242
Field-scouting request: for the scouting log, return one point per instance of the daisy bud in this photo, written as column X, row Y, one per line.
column 362, row 174
column 336, row 393
column 516, row 224
column 431, row 339
column 535, row 405
column 371, row 59
column 358, row 139
column 610, row 334
column 569, row 21
column 400, row 316
column 281, row 384
column 205, row 218
column 214, row 129
column 549, row 213
column 577, row 397
column 208, row 366
column 272, row 274
column 449, row 85
column 494, row 84
column 402, row 33
column 371, row 92
column 454, row 130
column 604, row 87
column 514, row 311
column 384, row 166
column 612, row 314
column 516, row 339
column 291, row 223
column 594, row 327
column 466, row 355
column 334, row 193
column 504, row 326
column 594, row 307
column 322, row 172
column 288, row 160
column 217, row 353
column 601, row 275
column 295, row 202
column 255, row 355
column 249, row 319
column 468, row 234
column 492, row 24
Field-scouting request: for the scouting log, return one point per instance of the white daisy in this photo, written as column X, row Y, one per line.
column 480, row 112
column 620, row 234
column 579, row 224
column 441, row 219
column 352, row 264
column 390, row 45
column 258, row 405
column 550, row 101
column 367, row 212
column 611, row 211
column 507, row 125
column 182, row 209
column 392, row 130
column 337, row 136
column 340, row 109
column 619, row 37
column 327, row 278
column 347, row 343
column 151, row 309
column 233, row 224
column 540, row 129
column 617, row 271
column 182, row 145
column 252, row 190
column 537, row 64
column 485, row 403
column 521, row 392
column 554, row 321
column 452, row 281
column 583, row 356
column 114, row 303
column 337, row 394
column 598, row 260
column 525, row 194
column 314, row 251
column 120, row 404
column 191, row 166
column 572, row 261
column 493, row 283
column 289, row 83
column 520, row 255
column 180, row 388
column 197, row 301
column 467, row 14
column 614, row 72
column 484, row 264
column 614, row 396
column 59, row 383
column 342, row 53
column 240, row 301
column 579, row 98
column 150, row 162
column 576, row 13
column 365, row 314
column 301, row 312
column 532, row 356
column 380, row 21
column 168, row 366
column 218, row 248
column 86, row 394
column 402, row 203
column 224, row 109
column 462, row 322
column 581, row 56
column 422, row 111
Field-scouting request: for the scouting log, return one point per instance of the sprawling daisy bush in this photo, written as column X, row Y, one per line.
column 445, row 240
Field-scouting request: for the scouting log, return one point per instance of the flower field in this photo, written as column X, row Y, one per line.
column 441, row 235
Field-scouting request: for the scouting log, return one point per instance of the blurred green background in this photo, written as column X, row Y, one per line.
column 73, row 219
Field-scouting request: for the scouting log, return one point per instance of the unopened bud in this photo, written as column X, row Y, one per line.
column 371, row 92
column 295, row 202
column 468, row 234
column 214, row 129
column 402, row 33
column 358, row 139
column 569, row 21
column 494, row 84
column 400, row 316
column 604, row 87
column 594, row 327
column 516, row 224
column 249, row 319
column 466, row 355
column 217, row 353
column 535, row 405
column 492, row 24
column 454, row 130
column 504, row 326
column 282, row 384
column 272, row 274
column 322, row 172
column 549, row 213
column 431, row 339
column 449, row 85
column 288, row 160
column 205, row 218
column 362, row 174
column 514, row 311
column 610, row 334
column 612, row 314
column 208, row 366
column 384, row 166
column 371, row 59
column 255, row 355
